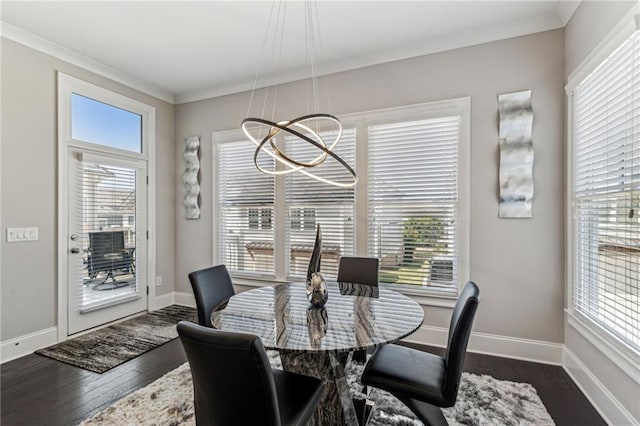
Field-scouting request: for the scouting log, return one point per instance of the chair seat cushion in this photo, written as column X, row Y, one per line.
column 406, row 373
column 298, row 396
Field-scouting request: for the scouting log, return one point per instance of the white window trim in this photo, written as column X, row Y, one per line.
column 459, row 107
column 69, row 85
column 616, row 351
column 66, row 86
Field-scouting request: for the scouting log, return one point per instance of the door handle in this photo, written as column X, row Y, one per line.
column 75, row 250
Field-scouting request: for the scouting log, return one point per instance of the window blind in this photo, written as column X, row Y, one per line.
column 245, row 210
column 105, row 208
column 413, row 201
column 311, row 202
column 606, row 194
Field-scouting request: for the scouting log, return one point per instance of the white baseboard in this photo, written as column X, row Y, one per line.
column 184, row 299
column 597, row 394
column 162, row 301
column 491, row 344
column 29, row 343
column 508, row 347
column 24, row 345
column 173, row 298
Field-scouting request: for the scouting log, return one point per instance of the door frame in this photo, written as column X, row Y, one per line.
column 67, row 85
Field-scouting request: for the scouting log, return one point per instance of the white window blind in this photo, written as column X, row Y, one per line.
column 412, row 208
column 311, row 202
column 413, row 201
column 245, row 210
column 106, row 209
column 606, row 194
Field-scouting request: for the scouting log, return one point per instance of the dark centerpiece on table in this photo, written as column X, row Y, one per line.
column 316, row 287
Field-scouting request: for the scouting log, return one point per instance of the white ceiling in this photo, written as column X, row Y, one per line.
column 184, row 51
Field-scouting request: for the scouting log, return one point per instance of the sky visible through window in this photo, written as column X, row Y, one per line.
column 103, row 124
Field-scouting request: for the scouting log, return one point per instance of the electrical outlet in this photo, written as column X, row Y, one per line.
column 158, row 281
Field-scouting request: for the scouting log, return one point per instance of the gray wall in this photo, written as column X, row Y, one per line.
column 591, row 22
column 29, row 176
column 516, row 263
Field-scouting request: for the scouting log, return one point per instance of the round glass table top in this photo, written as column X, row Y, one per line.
column 354, row 317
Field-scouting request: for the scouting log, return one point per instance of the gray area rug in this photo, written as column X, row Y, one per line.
column 482, row 400
column 103, row 349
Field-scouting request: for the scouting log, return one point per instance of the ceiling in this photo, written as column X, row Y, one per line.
column 185, row 51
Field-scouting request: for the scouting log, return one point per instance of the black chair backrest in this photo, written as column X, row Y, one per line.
column 459, row 331
column 359, row 270
column 211, row 287
column 233, row 382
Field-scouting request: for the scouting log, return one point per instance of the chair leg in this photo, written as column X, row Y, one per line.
column 364, row 408
column 428, row 414
column 360, row 356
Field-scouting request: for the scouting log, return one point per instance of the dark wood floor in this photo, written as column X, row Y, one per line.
column 40, row 391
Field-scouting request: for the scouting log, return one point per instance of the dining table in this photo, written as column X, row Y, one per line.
column 318, row 341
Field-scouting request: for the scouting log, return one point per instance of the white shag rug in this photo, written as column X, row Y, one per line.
column 482, row 400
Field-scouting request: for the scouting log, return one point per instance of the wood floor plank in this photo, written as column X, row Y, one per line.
column 40, row 391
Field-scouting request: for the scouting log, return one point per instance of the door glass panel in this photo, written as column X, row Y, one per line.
column 108, row 215
column 104, row 124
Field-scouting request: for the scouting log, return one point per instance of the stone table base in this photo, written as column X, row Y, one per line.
column 336, row 406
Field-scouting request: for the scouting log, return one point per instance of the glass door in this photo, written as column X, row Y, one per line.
column 107, row 236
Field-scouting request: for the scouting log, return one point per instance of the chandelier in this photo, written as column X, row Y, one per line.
column 312, row 128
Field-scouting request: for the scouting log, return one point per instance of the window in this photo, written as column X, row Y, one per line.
column 260, row 218
column 245, row 208
column 311, row 202
column 409, row 208
column 303, row 219
column 413, row 201
column 100, row 123
column 606, row 195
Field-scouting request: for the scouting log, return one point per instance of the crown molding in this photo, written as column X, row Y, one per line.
column 37, row 43
column 566, row 9
column 517, row 28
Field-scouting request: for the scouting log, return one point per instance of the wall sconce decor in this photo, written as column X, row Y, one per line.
column 191, row 177
column 516, row 154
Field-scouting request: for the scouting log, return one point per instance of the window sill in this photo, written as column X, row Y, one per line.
column 625, row 358
column 111, row 302
column 445, row 298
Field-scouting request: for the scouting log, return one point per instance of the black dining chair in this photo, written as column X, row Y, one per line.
column 423, row 381
column 211, row 287
column 234, row 383
column 358, row 270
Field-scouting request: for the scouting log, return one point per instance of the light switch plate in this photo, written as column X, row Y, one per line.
column 15, row 235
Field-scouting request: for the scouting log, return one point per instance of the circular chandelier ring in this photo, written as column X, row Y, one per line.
column 280, row 156
column 292, row 164
column 260, row 144
column 279, row 152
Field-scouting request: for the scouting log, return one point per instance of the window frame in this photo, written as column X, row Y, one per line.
column 360, row 121
column 66, row 85
column 615, row 349
column 85, row 89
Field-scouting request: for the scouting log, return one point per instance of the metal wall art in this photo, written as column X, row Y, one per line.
column 191, row 177
column 516, row 154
